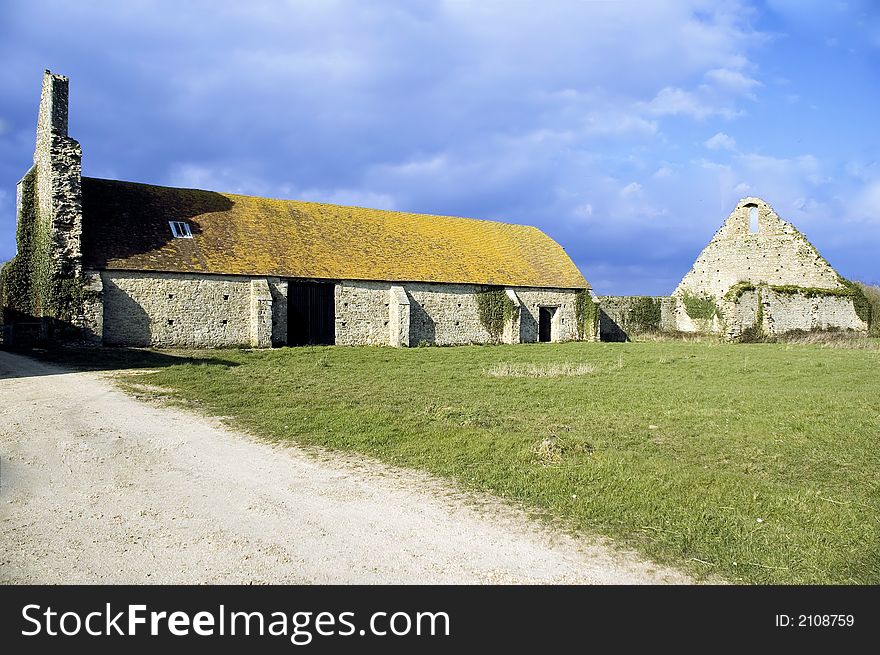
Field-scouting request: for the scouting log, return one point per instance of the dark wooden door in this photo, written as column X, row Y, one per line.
column 545, row 314
column 311, row 313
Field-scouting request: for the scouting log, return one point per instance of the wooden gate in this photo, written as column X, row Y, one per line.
column 311, row 313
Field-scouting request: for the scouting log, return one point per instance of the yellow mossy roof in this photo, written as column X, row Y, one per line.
column 125, row 226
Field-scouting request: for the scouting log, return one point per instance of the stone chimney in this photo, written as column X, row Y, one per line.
column 58, row 164
column 52, row 118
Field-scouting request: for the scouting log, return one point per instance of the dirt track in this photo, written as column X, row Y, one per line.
column 98, row 487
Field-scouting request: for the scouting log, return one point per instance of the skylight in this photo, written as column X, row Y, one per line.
column 180, row 229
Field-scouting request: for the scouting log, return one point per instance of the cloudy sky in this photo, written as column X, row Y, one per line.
column 626, row 130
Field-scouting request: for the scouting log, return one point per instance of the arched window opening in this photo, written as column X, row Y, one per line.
column 753, row 218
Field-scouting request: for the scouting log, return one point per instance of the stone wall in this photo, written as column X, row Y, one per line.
column 564, row 321
column 784, row 312
column 278, row 291
column 362, row 314
column 216, row 311
column 198, row 311
column 618, row 314
column 398, row 317
column 260, row 323
column 444, row 315
column 93, row 309
column 441, row 314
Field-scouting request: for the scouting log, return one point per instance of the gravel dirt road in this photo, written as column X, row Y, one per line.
column 99, row 487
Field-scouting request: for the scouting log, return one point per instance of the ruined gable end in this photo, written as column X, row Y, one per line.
column 760, row 272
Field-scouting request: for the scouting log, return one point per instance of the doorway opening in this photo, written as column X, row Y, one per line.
column 545, row 324
column 311, row 313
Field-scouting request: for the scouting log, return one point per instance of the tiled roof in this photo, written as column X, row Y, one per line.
column 125, row 226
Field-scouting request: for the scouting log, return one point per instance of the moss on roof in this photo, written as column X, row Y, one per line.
column 125, row 226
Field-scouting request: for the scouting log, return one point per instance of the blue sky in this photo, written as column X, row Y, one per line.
column 626, row 130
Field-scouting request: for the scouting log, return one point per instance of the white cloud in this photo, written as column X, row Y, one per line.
column 720, row 141
column 731, row 80
column 223, row 177
column 631, row 190
column 195, row 176
column 793, row 186
column 803, row 167
column 674, row 101
column 863, row 172
column 617, row 124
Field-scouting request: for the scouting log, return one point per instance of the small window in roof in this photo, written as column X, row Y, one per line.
column 180, row 229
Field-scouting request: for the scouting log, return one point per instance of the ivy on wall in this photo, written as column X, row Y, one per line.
column 30, row 288
column 496, row 309
column 700, row 306
column 861, row 303
column 586, row 314
column 872, row 296
column 644, row 314
column 735, row 292
column 755, row 333
column 809, row 292
column 21, row 276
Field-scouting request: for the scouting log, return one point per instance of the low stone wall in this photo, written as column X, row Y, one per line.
column 620, row 317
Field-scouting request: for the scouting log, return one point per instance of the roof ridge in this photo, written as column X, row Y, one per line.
column 316, row 202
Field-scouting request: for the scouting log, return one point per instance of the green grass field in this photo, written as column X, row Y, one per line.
column 757, row 463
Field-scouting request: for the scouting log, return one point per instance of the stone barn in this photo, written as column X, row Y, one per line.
column 760, row 274
column 126, row 264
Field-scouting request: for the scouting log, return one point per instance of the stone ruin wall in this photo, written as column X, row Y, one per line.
column 776, row 254
column 49, row 213
column 785, row 312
